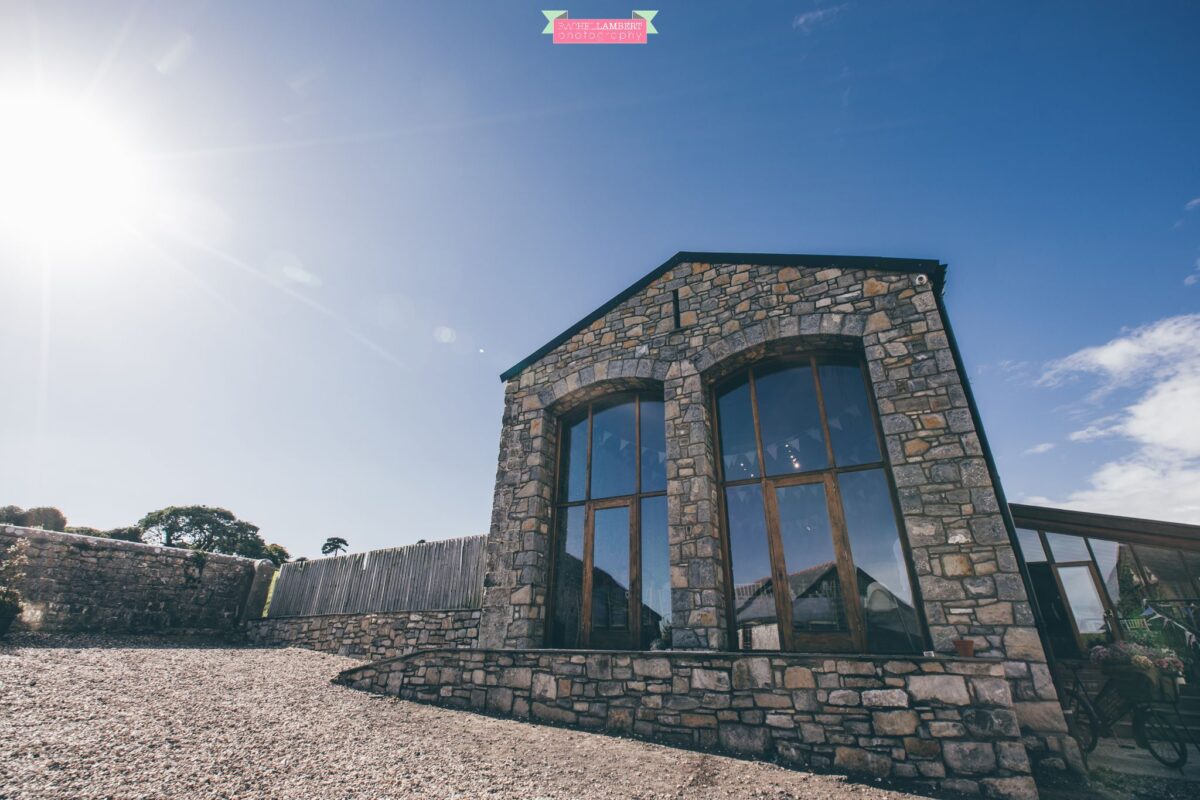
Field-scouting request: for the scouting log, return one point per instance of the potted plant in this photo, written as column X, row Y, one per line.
column 1136, row 669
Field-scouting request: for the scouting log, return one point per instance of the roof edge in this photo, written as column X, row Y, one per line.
column 931, row 267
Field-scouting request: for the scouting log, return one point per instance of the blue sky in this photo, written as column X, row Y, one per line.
column 359, row 214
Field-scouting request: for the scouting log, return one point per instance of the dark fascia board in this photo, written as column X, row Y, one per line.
column 931, row 267
column 1043, row 518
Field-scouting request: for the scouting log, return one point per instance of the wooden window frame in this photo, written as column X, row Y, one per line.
column 590, row 505
column 854, row 639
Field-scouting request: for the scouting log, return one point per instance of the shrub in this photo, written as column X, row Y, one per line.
column 10, row 608
column 12, row 569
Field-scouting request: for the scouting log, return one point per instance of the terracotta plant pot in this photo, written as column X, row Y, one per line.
column 965, row 648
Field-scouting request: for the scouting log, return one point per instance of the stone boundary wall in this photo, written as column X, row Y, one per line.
column 945, row 723
column 79, row 583
column 369, row 636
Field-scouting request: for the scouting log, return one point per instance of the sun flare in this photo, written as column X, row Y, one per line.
column 69, row 177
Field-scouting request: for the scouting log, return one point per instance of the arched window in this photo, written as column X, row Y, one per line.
column 814, row 548
column 612, row 585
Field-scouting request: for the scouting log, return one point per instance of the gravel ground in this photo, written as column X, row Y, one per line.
column 88, row 717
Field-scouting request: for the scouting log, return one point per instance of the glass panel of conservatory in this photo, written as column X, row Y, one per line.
column 851, row 424
column 883, row 585
column 739, row 452
column 1119, row 574
column 1065, row 547
column 656, row 574
column 1031, row 545
column 753, row 587
column 807, row 536
column 1085, row 603
column 568, row 568
column 789, row 421
column 654, row 447
column 614, row 451
column 1166, row 573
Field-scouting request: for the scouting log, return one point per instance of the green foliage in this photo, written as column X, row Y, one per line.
column 128, row 534
column 277, row 553
column 44, row 517
column 334, row 545
column 203, row 528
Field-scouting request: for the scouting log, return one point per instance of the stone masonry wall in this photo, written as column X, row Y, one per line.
column 732, row 315
column 947, row 723
column 369, row 636
column 84, row 583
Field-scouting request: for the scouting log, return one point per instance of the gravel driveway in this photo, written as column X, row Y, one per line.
column 89, row 717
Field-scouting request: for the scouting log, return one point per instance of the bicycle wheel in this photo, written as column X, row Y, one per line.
column 1082, row 724
column 1155, row 731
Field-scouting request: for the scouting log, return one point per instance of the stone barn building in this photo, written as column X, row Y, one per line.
column 748, row 504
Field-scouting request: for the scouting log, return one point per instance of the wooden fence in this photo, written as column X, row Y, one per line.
column 434, row 575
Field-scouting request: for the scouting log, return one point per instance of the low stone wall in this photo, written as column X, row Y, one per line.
column 84, row 583
column 369, row 636
column 946, row 723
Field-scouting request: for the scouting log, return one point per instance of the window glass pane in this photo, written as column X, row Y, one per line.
column 613, row 450
column 808, row 555
column 882, row 575
column 790, row 423
column 753, row 589
column 568, row 569
column 1166, row 573
column 656, row 575
column 1031, row 545
column 1065, row 547
column 849, row 415
column 739, row 453
column 1120, row 576
column 654, row 447
column 573, row 482
column 610, row 574
column 1085, row 603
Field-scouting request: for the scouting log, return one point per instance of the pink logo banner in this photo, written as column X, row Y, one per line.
column 599, row 31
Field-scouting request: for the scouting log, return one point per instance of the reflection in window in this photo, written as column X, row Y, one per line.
column 794, row 414
column 850, row 423
column 753, row 587
column 654, row 446
column 656, row 574
column 568, row 595
column 739, row 452
column 789, row 421
column 1086, row 605
column 1165, row 571
column 882, row 571
column 809, row 559
column 605, row 447
column 613, row 451
column 1066, row 548
column 610, row 571
column 1031, row 545
column 1119, row 574
column 574, row 469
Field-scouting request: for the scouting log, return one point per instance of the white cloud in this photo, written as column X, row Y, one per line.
column 810, row 19
column 1192, row 204
column 1038, row 449
column 1160, row 475
column 1194, row 277
column 288, row 266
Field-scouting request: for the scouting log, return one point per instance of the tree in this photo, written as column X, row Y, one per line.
column 45, row 517
column 334, row 545
column 129, row 534
column 278, row 554
column 211, row 530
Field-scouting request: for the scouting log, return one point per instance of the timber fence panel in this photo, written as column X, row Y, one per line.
column 420, row 577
